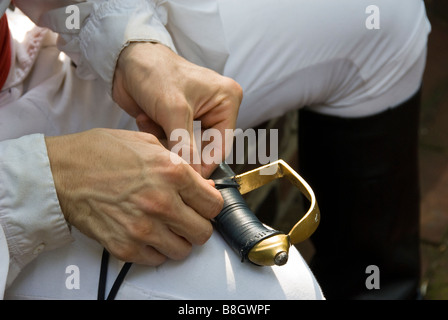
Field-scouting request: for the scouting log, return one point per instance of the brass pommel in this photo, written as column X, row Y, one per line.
column 271, row 251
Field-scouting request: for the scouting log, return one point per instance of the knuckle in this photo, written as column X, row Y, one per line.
column 182, row 254
column 124, row 252
column 176, row 173
column 141, row 230
column 153, row 206
column 235, row 88
column 238, row 90
column 149, row 138
column 204, row 235
column 215, row 205
column 157, row 260
column 180, row 107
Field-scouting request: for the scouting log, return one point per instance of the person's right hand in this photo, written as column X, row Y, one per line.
column 165, row 92
column 121, row 189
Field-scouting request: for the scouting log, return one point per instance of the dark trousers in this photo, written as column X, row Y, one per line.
column 364, row 173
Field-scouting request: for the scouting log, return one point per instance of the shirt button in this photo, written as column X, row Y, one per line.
column 39, row 249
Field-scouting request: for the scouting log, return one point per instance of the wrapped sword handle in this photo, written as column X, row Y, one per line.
column 238, row 224
column 243, row 231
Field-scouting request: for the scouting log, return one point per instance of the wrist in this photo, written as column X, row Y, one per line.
column 135, row 58
column 57, row 155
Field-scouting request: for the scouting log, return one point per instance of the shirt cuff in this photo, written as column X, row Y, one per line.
column 30, row 214
column 106, row 28
column 111, row 26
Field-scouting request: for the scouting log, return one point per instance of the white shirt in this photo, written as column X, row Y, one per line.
column 30, row 217
column 352, row 75
column 34, row 102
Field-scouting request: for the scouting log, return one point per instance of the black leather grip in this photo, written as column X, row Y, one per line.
column 237, row 223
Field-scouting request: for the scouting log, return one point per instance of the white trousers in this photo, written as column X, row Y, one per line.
column 286, row 54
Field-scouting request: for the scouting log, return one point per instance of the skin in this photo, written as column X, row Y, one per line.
column 120, row 187
column 164, row 92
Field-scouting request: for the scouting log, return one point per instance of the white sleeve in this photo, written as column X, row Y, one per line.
column 105, row 28
column 30, row 216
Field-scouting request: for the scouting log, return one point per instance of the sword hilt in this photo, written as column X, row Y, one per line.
column 243, row 231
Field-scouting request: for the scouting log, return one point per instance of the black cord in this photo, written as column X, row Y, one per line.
column 116, row 286
column 103, row 277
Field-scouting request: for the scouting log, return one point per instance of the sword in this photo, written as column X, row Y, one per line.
column 243, row 231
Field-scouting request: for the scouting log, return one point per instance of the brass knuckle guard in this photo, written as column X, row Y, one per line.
column 274, row 250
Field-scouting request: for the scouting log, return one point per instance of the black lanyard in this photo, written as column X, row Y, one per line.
column 103, row 278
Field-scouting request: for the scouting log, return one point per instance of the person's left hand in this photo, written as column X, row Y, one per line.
column 121, row 189
column 164, row 92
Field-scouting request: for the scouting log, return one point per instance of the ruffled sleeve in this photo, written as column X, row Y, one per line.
column 105, row 29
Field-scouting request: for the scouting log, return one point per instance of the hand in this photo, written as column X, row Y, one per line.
column 165, row 92
column 120, row 188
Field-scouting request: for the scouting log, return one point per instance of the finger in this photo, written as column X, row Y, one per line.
column 146, row 124
column 172, row 245
column 180, row 131
column 135, row 252
column 219, row 139
column 211, row 182
column 212, row 151
column 200, row 195
column 153, row 248
column 150, row 256
column 207, row 169
column 191, row 226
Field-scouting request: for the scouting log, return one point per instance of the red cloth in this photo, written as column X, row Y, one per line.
column 5, row 50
